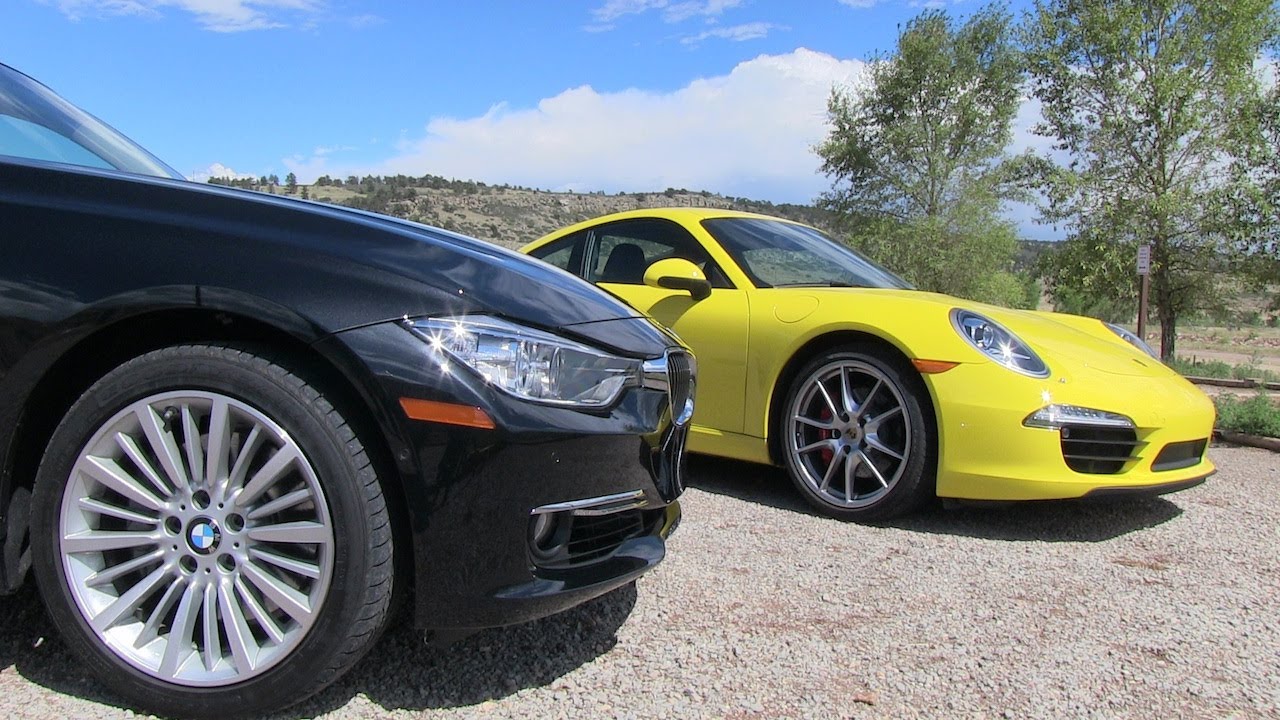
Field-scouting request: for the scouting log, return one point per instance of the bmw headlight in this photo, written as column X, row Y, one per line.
column 997, row 343
column 527, row 363
column 1132, row 339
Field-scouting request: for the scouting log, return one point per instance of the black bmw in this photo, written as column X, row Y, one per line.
column 233, row 425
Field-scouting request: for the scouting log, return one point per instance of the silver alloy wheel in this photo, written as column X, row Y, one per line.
column 849, row 435
column 196, row 539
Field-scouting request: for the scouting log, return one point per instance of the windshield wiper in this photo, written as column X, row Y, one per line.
column 821, row 283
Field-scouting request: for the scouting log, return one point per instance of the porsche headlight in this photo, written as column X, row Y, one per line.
column 1132, row 339
column 527, row 363
column 997, row 343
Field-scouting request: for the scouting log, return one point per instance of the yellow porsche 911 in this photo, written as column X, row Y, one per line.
column 877, row 397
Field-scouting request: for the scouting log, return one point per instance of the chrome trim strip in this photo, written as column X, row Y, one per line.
column 653, row 374
column 603, row 505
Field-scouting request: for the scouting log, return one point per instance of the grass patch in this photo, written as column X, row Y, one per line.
column 1220, row 370
column 1201, row 368
column 1253, row 372
column 1252, row 416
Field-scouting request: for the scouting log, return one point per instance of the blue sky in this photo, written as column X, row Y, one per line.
column 636, row 95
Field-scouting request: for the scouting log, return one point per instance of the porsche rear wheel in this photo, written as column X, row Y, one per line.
column 855, row 442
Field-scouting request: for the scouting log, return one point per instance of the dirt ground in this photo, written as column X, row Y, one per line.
column 1256, row 346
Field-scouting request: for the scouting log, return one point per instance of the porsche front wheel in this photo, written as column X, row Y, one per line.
column 209, row 534
column 855, row 438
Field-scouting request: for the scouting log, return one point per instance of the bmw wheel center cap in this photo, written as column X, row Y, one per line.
column 204, row 536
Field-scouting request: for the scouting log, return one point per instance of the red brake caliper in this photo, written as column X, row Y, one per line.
column 826, row 452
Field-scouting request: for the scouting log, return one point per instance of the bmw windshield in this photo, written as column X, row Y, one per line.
column 36, row 124
column 782, row 254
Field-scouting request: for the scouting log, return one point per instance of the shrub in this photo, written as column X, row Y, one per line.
column 1201, row 368
column 1254, row 416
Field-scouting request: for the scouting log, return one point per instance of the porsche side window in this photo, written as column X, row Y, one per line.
column 624, row 250
column 623, row 259
column 565, row 253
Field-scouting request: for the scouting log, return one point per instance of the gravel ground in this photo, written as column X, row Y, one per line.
column 1155, row 608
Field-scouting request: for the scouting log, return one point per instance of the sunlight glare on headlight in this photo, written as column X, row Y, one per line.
column 997, row 343
column 529, row 363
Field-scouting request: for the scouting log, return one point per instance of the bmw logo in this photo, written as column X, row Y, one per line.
column 204, row 536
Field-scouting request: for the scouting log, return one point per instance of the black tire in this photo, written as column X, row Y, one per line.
column 344, row 607
column 893, row 419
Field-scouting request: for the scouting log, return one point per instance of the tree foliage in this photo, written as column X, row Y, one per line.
column 1256, row 237
column 1092, row 276
column 1154, row 109
column 917, row 155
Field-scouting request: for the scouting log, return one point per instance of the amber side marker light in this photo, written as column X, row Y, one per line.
column 432, row 411
column 933, row 366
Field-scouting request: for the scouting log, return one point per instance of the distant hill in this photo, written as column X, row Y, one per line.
column 1029, row 252
column 512, row 216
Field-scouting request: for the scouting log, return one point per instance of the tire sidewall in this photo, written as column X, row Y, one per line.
column 913, row 487
column 233, row 373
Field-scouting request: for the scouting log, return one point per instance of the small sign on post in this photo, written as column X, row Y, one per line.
column 1144, row 273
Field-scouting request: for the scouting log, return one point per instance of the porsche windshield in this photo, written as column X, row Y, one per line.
column 781, row 254
column 36, row 124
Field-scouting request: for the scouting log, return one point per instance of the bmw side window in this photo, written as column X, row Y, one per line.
column 36, row 124
column 24, row 139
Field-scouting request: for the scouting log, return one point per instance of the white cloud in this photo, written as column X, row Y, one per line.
column 859, row 3
column 736, row 33
column 324, row 150
column 1024, row 123
column 614, row 9
column 672, row 12
column 1267, row 70
column 710, row 9
column 215, row 15
column 218, row 170
column 747, row 133
column 359, row 22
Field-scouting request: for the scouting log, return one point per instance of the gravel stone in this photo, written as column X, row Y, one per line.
column 1156, row 607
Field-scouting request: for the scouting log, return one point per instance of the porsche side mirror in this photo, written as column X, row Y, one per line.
column 678, row 274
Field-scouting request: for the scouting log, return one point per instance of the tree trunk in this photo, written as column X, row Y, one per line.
column 1166, row 308
column 1168, row 335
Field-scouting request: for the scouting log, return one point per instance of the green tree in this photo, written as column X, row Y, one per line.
column 1256, row 237
column 1151, row 104
column 291, row 183
column 917, row 155
column 1094, row 276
